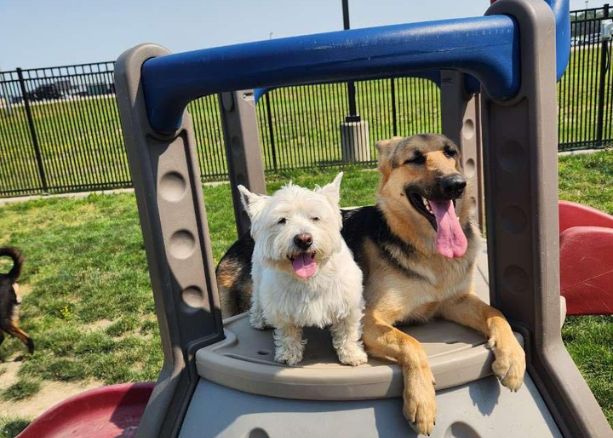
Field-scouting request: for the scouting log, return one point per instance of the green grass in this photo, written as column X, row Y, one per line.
column 89, row 306
column 12, row 426
column 22, row 389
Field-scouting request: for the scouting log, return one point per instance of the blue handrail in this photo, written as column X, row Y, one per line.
column 484, row 47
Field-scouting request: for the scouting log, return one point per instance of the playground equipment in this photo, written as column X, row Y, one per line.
column 220, row 380
column 586, row 257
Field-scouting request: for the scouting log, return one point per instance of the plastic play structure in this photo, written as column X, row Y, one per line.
column 219, row 378
column 586, row 259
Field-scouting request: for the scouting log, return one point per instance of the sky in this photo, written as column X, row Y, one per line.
column 44, row 33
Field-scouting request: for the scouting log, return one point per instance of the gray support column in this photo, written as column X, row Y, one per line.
column 243, row 152
column 521, row 177
column 461, row 122
column 175, row 231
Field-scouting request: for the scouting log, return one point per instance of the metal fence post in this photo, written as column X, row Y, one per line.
column 271, row 133
column 32, row 129
column 394, row 112
column 604, row 66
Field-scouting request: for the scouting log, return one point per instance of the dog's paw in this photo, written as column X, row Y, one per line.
column 420, row 401
column 352, row 354
column 509, row 365
column 290, row 354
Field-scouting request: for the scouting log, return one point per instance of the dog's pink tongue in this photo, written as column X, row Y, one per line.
column 450, row 239
column 304, row 266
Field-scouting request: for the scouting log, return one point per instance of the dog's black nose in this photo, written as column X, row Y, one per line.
column 303, row 240
column 453, row 186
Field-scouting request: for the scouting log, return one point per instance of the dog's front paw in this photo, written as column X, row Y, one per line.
column 419, row 400
column 289, row 354
column 352, row 354
column 510, row 362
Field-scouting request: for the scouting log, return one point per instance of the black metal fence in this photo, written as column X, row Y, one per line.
column 60, row 131
column 585, row 93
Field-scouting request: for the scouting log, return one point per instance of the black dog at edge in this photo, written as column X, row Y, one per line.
column 9, row 317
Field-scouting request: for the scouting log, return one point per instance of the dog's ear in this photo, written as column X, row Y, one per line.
column 385, row 149
column 332, row 191
column 252, row 202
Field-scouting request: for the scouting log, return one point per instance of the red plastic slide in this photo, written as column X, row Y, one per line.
column 586, row 259
column 109, row 411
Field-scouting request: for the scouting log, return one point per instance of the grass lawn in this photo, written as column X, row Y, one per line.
column 88, row 305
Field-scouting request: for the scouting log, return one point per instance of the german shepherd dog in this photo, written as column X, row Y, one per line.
column 9, row 301
column 417, row 249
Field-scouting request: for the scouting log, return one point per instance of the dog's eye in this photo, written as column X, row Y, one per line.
column 417, row 159
column 315, row 218
column 282, row 221
column 450, row 152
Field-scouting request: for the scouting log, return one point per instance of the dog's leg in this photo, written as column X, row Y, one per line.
column 384, row 341
column 289, row 345
column 510, row 360
column 346, row 335
column 256, row 314
column 22, row 336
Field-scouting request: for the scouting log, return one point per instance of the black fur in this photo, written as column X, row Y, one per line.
column 9, row 301
column 369, row 222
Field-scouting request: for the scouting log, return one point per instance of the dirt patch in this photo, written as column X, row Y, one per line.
column 50, row 393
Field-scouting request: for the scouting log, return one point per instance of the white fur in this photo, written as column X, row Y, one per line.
column 331, row 297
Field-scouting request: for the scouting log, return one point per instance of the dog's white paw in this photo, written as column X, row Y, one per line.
column 509, row 365
column 352, row 354
column 419, row 406
column 289, row 354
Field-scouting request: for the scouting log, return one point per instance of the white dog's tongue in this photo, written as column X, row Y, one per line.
column 450, row 239
column 304, row 266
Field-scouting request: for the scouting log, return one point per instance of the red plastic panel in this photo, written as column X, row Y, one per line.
column 109, row 411
column 586, row 270
column 574, row 215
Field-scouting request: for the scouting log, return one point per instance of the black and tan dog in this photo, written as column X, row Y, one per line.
column 9, row 301
column 417, row 249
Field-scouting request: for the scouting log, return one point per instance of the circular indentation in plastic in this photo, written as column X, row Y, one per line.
column 469, row 168
column 258, row 433
column 468, row 129
column 172, row 186
column 511, row 156
column 182, row 244
column 263, row 352
column 515, row 279
column 192, row 297
column 513, row 219
column 461, row 430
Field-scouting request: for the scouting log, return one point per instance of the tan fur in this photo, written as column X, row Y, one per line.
column 442, row 288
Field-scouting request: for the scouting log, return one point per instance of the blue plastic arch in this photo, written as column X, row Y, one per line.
column 484, row 47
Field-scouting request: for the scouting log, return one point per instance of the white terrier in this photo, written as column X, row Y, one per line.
column 303, row 272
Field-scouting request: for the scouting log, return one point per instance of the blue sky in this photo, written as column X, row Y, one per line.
column 41, row 33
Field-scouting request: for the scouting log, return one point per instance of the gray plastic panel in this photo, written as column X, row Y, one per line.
column 175, row 231
column 480, row 410
column 521, row 180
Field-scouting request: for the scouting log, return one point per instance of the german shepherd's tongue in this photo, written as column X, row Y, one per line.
column 450, row 239
column 304, row 265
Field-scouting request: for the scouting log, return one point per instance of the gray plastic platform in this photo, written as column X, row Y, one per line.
column 322, row 398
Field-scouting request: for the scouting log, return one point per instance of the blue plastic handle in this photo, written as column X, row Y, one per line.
column 484, row 47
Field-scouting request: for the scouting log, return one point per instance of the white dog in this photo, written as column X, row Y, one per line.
column 303, row 272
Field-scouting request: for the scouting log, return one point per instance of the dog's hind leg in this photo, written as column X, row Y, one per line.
column 387, row 342
column 22, row 336
column 346, row 335
column 510, row 360
column 289, row 345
